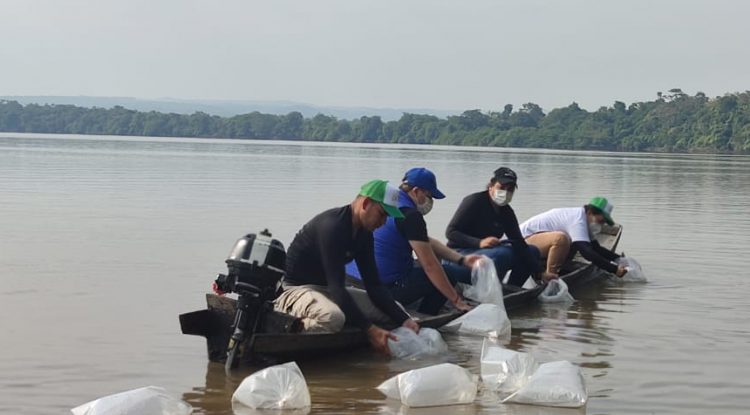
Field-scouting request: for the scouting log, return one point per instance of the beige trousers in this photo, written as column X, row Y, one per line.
column 552, row 245
column 319, row 313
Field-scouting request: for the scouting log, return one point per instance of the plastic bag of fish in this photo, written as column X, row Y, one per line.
column 437, row 385
column 275, row 387
column 410, row 345
column 150, row 400
column 553, row 384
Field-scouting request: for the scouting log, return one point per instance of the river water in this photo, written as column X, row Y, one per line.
column 105, row 240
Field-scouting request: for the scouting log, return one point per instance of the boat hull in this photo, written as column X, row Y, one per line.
column 280, row 336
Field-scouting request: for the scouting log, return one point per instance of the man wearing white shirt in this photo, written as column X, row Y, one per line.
column 556, row 231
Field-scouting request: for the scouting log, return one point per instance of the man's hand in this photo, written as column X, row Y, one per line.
column 411, row 324
column 548, row 276
column 489, row 242
column 471, row 260
column 217, row 290
column 379, row 339
column 461, row 305
column 621, row 271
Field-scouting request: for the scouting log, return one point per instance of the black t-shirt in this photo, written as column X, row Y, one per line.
column 318, row 255
column 412, row 226
column 478, row 217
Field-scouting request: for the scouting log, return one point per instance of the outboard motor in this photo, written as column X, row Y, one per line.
column 256, row 265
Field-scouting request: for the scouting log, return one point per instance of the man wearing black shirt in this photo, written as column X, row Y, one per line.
column 483, row 218
column 314, row 284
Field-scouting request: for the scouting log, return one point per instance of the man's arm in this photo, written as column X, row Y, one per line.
column 587, row 251
column 443, row 252
column 606, row 253
column 414, row 229
column 455, row 232
column 435, row 272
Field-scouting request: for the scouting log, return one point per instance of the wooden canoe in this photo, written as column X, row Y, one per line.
column 281, row 337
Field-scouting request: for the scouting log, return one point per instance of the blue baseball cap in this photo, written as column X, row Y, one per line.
column 424, row 179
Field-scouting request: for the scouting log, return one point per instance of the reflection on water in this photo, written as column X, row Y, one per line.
column 106, row 240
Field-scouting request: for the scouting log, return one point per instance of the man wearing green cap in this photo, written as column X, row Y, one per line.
column 314, row 283
column 556, row 231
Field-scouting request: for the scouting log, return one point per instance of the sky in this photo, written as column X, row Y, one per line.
column 447, row 55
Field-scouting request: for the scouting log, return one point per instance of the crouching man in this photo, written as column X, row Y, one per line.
column 560, row 233
column 314, row 284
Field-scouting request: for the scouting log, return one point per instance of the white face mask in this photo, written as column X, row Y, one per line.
column 425, row 207
column 595, row 228
column 502, row 197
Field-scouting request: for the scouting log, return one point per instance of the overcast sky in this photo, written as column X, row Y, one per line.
column 429, row 54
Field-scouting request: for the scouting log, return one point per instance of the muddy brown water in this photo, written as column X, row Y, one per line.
column 105, row 240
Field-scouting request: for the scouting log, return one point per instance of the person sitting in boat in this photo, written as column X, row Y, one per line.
column 427, row 279
column 314, row 283
column 484, row 218
column 560, row 233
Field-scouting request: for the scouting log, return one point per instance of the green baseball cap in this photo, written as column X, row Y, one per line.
column 385, row 194
column 602, row 204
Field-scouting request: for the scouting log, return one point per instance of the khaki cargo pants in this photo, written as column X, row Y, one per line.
column 319, row 313
column 554, row 246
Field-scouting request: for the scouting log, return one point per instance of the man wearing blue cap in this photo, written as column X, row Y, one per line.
column 426, row 280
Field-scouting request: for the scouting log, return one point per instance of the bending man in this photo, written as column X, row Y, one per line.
column 314, row 284
column 556, row 231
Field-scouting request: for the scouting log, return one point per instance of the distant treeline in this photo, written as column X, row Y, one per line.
column 674, row 122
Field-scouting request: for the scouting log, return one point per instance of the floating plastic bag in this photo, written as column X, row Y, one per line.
column 483, row 320
column 434, row 340
column 275, row 387
column 503, row 370
column 485, row 286
column 443, row 384
column 411, row 345
column 553, row 384
column 150, row 400
column 556, row 291
column 390, row 389
column 635, row 271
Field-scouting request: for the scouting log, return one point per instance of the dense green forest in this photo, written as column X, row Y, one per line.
column 674, row 122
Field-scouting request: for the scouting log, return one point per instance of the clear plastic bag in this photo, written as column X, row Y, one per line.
column 504, row 370
column 483, row 320
column 556, row 291
column 411, row 345
column 635, row 271
column 275, row 387
column 553, row 384
column 150, row 400
column 485, row 286
column 443, row 384
column 390, row 389
column 433, row 339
